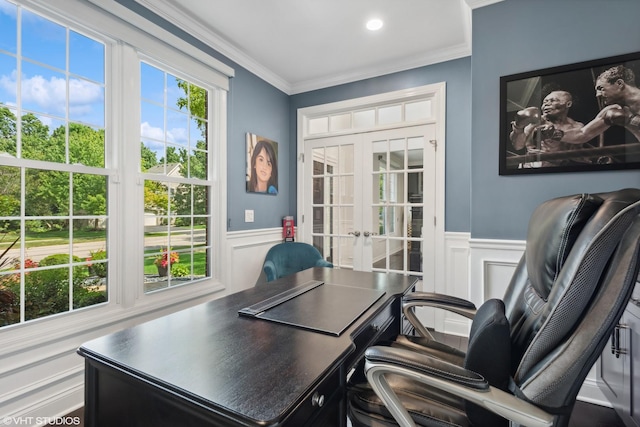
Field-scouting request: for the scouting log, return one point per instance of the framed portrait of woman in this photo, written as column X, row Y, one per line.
column 262, row 165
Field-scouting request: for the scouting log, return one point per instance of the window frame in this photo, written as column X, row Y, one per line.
column 125, row 188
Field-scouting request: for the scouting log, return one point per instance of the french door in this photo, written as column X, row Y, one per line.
column 372, row 203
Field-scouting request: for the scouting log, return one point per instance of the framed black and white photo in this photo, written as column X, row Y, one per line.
column 262, row 165
column 571, row 118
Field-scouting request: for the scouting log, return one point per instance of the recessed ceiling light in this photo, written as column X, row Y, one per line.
column 374, row 24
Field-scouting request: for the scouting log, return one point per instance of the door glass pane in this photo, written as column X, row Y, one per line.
column 380, row 254
column 330, row 190
column 346, row 159
column 318, row 165
column 346, row 189
column 414, row 182
column 346, row 220
column 420, row 110
column 379, row 220
column 318, row 219
column 395, row 188
column 414, row 232
column 366, row 118
column 415, row 255
column 331, row 159
column 380, row 156
column 396, row 154
column 319, row 125
column 391, row 114
column 415, row 159
column 396, row 254
column 378, row 184
column 335, row 220
column 340, row 122
column 318, row 190
column 346, row 252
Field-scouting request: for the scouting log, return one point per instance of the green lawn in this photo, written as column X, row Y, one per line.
column 198, row 261
column 49, row 238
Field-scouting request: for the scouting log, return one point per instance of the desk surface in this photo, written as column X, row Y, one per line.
column 240, row 367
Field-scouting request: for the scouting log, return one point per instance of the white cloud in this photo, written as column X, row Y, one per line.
column 177, row 136
column 8, row 84
column 174, row 136
column 148, row 131
column 50, row 94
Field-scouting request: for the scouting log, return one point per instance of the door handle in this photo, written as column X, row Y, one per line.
column 356, row 233
column 368, row 233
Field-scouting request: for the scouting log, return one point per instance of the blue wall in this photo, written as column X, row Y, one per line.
column 257, row 107
column 253, row 106
column 508, row 37
column 521, row 35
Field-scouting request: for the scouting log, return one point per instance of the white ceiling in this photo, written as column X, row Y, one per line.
column 302, row 45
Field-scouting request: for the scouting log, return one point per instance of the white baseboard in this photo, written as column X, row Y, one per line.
column 590, row 393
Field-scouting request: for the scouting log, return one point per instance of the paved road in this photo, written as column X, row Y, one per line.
column 84, row 249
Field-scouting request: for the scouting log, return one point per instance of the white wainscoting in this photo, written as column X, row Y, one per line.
column 247, row 250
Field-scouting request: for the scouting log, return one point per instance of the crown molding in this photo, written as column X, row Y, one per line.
column 459, row 51
column 171, row 12
column 474, row 4
column 190, row 25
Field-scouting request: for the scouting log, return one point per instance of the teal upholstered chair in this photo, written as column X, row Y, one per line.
column 288, row 258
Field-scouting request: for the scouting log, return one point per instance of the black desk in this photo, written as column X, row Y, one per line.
column 209, row 366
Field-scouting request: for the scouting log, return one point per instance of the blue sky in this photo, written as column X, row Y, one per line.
column 43, row 81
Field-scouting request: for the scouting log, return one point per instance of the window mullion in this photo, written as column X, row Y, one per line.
column 130, row 192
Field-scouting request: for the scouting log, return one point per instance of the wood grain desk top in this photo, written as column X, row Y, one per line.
column 243, row 368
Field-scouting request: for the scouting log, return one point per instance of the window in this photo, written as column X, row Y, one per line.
column 87, row 215
column 53, row 174
column 174, row 159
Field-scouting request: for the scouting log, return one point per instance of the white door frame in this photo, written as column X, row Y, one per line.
column 437, row 93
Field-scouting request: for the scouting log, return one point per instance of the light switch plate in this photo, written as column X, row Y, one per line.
column 248, row 215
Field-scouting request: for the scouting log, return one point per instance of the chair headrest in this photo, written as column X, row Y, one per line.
column 553, row 229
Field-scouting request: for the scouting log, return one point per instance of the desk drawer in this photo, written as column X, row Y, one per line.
column 384, row 326
column 322, row 406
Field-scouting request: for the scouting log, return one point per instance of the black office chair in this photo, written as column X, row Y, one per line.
column 529, row 353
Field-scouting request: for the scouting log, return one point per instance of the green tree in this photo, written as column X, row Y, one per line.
column 172, row 156
column 7, row 131
column 148, row 158
column 195, row 101
column 37, row 144
column 86, row 145
column 156, row 198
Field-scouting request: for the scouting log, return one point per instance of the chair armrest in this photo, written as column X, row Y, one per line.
column 323, row 263
column 429, row 299
column 380, row 361
column 270, row 270
column 425, row 365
